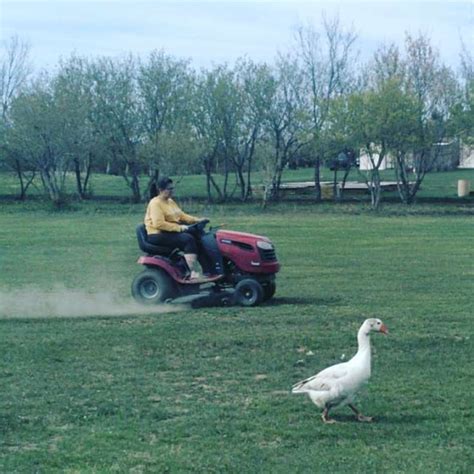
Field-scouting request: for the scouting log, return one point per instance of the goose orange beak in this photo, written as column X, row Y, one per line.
column 384, row 329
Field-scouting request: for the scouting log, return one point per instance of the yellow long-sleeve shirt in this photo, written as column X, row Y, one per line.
column 165, row 215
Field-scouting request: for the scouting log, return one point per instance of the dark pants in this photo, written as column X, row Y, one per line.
column 210, row 257
column 182, row 240
column 212, row 254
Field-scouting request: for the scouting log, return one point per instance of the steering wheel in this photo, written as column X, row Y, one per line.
column 197, row 229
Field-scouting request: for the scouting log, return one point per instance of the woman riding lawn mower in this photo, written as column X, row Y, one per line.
column 237, row 267
column 248, row 261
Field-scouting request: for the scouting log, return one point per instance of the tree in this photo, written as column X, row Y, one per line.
column 116, row 116
column 386, row 115
column 215, row 117
column 284, row 123
column 15, row 69
column 37, row 134
column 461, row 121
column 371, row 112
column 433, row 89
column 72, row 85
column 206, row 126
column 255, row 87
column 228, row 116
column 401, row 121
column 164, row 93
column 340, row 145
column 325, row 59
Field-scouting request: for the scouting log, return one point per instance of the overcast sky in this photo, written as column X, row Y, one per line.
column 210, row 32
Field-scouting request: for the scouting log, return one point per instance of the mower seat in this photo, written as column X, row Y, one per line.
column 152, row 249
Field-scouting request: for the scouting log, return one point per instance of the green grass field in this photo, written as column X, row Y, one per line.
column 436, row 186
column 91, row 383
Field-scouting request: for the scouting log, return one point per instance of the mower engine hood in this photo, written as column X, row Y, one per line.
column 248, row 252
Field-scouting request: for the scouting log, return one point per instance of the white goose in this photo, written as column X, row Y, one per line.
column 338, row 384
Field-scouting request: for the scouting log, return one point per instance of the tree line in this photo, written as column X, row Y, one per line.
column 144, row 117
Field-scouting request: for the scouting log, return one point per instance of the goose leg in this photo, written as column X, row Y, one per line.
column 360, row 416
column 325, row 417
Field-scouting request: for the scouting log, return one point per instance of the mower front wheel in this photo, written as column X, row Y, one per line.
column 153, row 287
column 248, row 292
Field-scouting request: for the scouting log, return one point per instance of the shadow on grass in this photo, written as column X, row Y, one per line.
column 398, row 419
column 302, row 300
column 387, row 419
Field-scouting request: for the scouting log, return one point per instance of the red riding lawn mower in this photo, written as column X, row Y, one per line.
column 249, row 266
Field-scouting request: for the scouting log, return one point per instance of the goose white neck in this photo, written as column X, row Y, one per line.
column 363, row 339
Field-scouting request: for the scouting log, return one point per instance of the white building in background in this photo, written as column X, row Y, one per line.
column 366, row 164
column 451, row 155
column 466, row 159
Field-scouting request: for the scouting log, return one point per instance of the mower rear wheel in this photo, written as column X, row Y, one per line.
column 248, row 292
column 153, row 287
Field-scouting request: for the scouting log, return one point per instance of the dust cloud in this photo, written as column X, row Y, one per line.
column 67, row 303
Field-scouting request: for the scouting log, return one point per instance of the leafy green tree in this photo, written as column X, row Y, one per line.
column 164, row 90
column 326, row 59
column 433, row 88
column 116, row 116
column 255, row 84
column 72, row 85
column 402, row 122
column 461, row 120
column 216, row 117
column 284, row 123
column 230, row 116
column 372, row 113
column 15, row 70
column 381, row 120
column 393, row 121
column 340, row 136
column 37, row 134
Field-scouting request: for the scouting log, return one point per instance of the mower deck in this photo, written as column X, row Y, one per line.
column 207, row 299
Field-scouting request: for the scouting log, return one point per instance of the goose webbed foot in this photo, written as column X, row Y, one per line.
column 325, row 417
column 360, row 416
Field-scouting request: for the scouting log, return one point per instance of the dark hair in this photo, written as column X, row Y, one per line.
column 153, row 191
column 163, row 183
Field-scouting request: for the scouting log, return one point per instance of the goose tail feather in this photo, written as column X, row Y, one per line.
column 299, row 387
